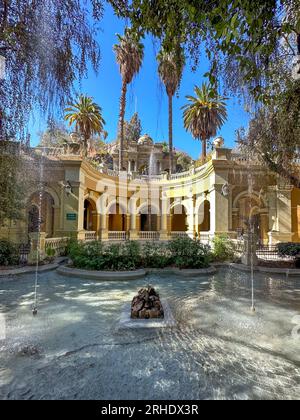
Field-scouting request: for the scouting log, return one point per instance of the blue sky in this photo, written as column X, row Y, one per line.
column 146, row 94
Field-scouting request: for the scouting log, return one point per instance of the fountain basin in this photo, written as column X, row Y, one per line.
column 126, row 322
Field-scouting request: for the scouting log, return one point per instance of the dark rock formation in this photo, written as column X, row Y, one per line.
column 147, row 304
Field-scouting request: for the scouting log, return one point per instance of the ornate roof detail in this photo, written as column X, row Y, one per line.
column 145, row 140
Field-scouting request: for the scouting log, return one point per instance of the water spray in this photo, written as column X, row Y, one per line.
column 34, row 308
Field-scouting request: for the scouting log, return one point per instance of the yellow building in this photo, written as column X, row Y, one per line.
column 219, row 197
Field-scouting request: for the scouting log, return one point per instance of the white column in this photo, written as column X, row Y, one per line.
column 219, row 211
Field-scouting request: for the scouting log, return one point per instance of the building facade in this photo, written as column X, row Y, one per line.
column 223, row 196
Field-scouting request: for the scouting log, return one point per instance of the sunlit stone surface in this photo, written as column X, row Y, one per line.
column 74, row 349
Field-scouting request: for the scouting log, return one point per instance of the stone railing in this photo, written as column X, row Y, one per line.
column 205, row 237
column 148, row 177
column 58, row 245
column 69, row 149
column 179, row 175
column 117, row 235
column 111, row 172
column 149, row 235
column 90, row 236
column 178, row 234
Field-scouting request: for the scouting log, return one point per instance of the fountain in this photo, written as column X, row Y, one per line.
column 38, row 241
column 250, row 258
column 147, row 304
column 151, row 172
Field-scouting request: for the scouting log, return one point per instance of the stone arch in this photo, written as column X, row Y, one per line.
column 176, row 203
column 112, row 203
column 254, row 196
column 116, row 212
column 148, row 214
column 178, row 217
column 154, row 208
column 204, row 217
column 40, row 210
column 249, row 211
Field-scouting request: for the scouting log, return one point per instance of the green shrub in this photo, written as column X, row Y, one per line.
column 95, row 256
column 289, row 249
column 223, row 248
column 50, row 252
column 9, row 254
column 155, row 255
column 188, row 253
column 181, row 252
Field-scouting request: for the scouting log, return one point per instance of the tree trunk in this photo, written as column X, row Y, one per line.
column 203, row 150
column 298, row 43
column 170, row 133
column 121, row 124
column 85, row 145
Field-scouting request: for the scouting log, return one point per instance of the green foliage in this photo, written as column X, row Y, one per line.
column 129, row 55
column 181, row 253
column 48, row 46
column 188, row 253
column 8, row 253
column 56, row 134
column 223, row 248
column 50, row 252
column 289, row 249
column 95, row 256
column 184, row 161
column 14, row 181
column 170, row 67
column 86, row 115
column 133, row 128
column 156, row 255
column 204, row 114
column 248, row 34
column 274, row 132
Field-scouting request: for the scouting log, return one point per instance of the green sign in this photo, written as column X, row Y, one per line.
column 71, row 216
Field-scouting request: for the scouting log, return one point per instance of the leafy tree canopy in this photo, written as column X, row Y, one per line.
column 247, row 35
column 274, row 135
column 18, row 177
column 56, row 134
column 133, row 128
column 47, row 46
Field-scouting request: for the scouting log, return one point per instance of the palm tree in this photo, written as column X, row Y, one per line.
column 205, row 114
column 170, row 68
column 87, row 116
column 129, row 54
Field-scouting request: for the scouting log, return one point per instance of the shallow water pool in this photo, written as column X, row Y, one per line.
column 75, row 348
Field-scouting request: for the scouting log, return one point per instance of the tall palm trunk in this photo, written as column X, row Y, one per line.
column 85, row 145
column 170, row 132
column 203, row 150
column 121, row 124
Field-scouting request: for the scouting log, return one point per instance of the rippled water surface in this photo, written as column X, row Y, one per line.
column 75, row 348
